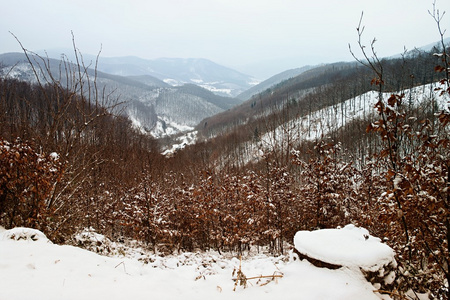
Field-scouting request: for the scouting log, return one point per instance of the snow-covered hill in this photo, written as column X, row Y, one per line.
column 178, row 71
column 216, row 78
column 321, row 123
column 324, row 121
column 152, row 105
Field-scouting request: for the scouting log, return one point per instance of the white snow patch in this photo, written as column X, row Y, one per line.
column 166, row 127
column 187, row 139
column 216, row 90
column 54, row 156
column 24, row 234
column 136, row 123
column 172, row 82
column 254, row 81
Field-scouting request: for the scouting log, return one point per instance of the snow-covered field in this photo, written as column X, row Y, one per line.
column 31, row 267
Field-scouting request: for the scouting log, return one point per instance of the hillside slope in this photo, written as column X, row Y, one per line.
column 319, row 87
column 216, row 78
column 152, row 105
column 271, row 99
column 276, row 79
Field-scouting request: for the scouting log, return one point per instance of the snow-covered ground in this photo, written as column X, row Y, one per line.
column 165, row 127
column 189, row 138
column 31, row 267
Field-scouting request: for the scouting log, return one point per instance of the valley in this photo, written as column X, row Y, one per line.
column 158, row 154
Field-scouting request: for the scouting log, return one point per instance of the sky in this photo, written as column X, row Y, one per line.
column 252, row 36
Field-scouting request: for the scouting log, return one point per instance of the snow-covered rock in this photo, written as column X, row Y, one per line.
column 350, row 247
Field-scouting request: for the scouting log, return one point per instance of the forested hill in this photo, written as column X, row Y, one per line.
column 153, row 105
column 219, row 79
column 272, row 81
column 321, row 86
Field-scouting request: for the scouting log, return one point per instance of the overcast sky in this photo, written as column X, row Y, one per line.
column 242, row 34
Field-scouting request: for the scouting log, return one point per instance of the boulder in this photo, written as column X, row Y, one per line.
column 349, row 247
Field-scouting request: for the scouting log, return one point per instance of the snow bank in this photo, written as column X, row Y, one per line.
column 41, row 270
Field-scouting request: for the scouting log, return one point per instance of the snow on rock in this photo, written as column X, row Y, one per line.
column 352, row 247
column 349, row 246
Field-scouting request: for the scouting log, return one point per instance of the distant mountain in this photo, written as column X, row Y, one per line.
column 178, row 71
column 272, row 81
column 438, row 44
column 426, row 48
column 149, row 80
column 152, row 105
column 174, row 71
